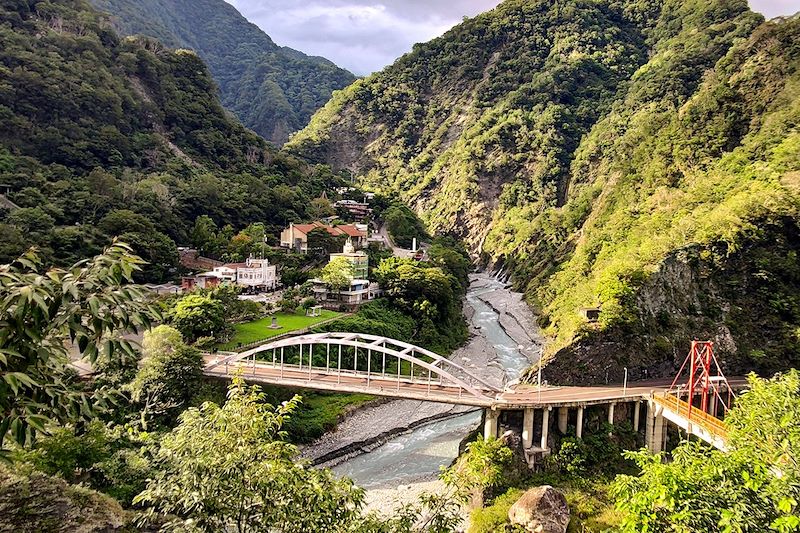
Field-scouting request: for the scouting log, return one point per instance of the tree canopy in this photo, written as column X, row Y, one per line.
column 42, row 312
column 754, row 486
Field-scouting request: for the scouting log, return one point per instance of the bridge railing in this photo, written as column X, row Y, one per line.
column 694, row 415
column 298, row 373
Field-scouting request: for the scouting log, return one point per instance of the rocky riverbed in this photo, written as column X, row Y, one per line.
column 395, row 449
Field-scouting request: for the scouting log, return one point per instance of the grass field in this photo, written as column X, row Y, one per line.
column 260, row 330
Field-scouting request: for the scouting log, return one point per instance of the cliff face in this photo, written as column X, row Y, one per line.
column 583, row 144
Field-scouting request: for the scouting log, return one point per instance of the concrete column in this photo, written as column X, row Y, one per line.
column 490, row 425
column 527, row 427
column 563, row 417
column 545, row 426
column 579, row 425
column 611, row 415
column 650, row 422
column 636, row 408
column 712, row 405
column 658, row 433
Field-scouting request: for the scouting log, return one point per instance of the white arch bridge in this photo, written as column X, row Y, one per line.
column 357, row 362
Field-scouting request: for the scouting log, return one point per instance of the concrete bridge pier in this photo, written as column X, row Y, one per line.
column 611, row 407
column 490, row 423
column 563, row 417
column 579, row 424
column 654, row 430
column 527, row 427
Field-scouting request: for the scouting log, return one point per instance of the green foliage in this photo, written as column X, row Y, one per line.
column 754, row 486
column 494, row 518
column 429, row 293
column 91, row 305
column 338, row 273
column 585, row 147
column 168, row 377
column 480, row 467
column 108, row 137
column 198, row 315
column 110, row 460
column 403, row 225
column 273, row 90
column 228, row 467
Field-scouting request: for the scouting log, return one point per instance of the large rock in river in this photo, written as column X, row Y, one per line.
column 541, row 510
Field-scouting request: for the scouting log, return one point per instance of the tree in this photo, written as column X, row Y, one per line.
column 91, row 305
column 170, row 373
column 197, row 315
column 320, row 240
column 752, row 487
column 228, row 468
column 204, row 235
column 160, row 253
column 338, row 273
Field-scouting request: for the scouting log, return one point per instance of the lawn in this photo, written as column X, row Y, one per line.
column 260, row 330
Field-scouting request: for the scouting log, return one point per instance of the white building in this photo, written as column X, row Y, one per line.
column 360, row 291
column 257, row 273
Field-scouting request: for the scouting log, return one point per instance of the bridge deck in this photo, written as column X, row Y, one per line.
column 347, row 381
column 377, row 384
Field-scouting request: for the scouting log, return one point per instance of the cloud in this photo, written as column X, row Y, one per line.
column 774, row 8
column 366, row 35
column 360, row 35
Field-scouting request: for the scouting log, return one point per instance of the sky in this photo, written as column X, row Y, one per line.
column 366, row 35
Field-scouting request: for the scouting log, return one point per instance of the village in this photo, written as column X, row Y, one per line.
column 328, row 245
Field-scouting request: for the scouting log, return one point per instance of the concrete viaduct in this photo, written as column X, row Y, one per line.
column 380, row 366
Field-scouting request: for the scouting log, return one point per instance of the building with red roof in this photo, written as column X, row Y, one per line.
column 296, row 235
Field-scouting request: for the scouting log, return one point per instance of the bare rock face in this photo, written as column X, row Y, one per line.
column 541, row 510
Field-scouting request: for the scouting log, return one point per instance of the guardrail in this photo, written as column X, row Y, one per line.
column 695, row 416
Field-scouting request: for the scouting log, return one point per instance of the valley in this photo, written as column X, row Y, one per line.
column 539, row 274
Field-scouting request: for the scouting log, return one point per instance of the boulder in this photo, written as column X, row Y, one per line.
column 541, row 510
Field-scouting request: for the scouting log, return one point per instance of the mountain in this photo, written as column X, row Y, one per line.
column 640, row 157
column 273, row 90
column 106, row 136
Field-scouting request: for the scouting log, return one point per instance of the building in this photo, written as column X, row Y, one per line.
column 358, row 259
column 355, row 209
column 296, row 235
column 360, row 291
column 257, row 274
column 252, row 274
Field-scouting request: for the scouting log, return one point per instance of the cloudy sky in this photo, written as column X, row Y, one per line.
column 366, row 35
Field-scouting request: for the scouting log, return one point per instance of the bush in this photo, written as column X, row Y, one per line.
column 494, row 518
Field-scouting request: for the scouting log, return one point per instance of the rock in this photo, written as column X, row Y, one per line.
column 541, row 510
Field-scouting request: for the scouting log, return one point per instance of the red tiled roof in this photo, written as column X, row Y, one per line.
column 352, row 231
column 345, row 229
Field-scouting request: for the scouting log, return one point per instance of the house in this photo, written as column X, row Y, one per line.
column 360, row 291
column 355, row 209
column 296, row 235
column 359, row 259
column 257, row 274
column 252, row 274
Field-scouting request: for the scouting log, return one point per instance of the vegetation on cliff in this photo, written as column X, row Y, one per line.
column 582, row 145
column 273, row 90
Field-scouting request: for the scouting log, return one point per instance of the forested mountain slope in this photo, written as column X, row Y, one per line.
column 273, row 90
column 104, row 136
column 637, row 156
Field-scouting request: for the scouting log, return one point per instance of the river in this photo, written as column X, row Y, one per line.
column 494, row 314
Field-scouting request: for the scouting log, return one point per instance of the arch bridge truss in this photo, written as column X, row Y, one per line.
column 357, row 362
